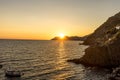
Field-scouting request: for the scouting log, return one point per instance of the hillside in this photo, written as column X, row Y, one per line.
column 104, row 50
column 101, row 34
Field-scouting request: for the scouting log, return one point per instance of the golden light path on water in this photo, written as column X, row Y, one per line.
column 45, row 60
column 61, row 62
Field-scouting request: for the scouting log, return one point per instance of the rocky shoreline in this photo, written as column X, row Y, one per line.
column 104, row 50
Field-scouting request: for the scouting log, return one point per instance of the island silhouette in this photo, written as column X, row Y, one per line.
column 74, row 38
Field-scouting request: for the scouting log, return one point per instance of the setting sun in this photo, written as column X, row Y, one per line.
column 61, row 35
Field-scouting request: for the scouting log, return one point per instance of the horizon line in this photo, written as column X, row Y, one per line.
column 23, row 39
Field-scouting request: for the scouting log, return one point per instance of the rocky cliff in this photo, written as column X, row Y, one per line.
column 101, row 34
column 104, row 50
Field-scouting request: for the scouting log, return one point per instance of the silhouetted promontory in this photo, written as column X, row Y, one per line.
column 104, row 50
column 75, row 38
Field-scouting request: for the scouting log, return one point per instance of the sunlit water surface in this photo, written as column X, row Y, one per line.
column 45, row 60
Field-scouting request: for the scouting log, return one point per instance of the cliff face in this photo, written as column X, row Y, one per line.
column 105, row 44
column 100, row 35
column 104, row 50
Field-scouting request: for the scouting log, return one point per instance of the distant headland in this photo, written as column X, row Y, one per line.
column 73, row 38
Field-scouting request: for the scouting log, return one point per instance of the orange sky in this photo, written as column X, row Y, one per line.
column 44, row 19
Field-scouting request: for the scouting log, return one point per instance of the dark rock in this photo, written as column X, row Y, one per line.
column 104, row 50
column 13, row 74
column 99, row 34
column 1, row 66
column 115, row 75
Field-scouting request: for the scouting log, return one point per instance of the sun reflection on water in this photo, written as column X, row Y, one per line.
column 61, row 53
column 61, row 63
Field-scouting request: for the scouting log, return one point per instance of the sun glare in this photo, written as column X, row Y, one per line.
column 61, row 35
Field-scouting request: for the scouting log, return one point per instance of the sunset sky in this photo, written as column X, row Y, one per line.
column 44, row 19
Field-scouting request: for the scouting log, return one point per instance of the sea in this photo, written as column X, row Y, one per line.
column 46, row 60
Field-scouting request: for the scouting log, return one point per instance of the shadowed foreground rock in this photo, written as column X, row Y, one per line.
column 104, row 50
column 115, row 75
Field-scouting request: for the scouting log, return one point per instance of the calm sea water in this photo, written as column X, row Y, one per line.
column 45, row 60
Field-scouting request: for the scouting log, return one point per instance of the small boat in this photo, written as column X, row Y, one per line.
column 13, row 74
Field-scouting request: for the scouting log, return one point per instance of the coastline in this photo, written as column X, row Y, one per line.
column 104, row 48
